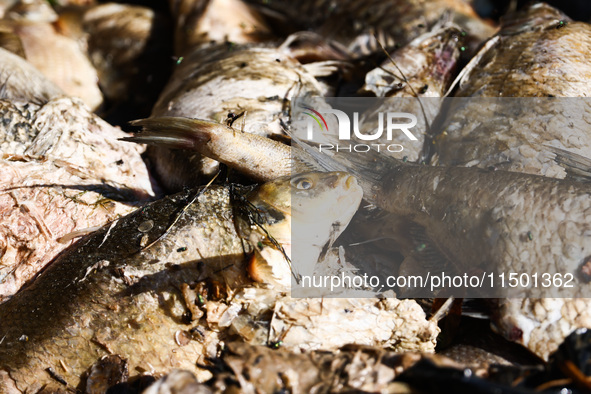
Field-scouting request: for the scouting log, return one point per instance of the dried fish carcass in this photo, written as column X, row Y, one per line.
column 539, row 53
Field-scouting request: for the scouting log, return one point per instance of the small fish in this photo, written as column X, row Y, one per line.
column 117, row 290
column 247, row 87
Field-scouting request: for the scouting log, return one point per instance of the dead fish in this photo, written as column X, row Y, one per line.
column 423, row 68
column 479, row 220
column 19, row 80
column 357, row 24
column 538, row 52
column 198, row 22
column 529, row 57
column 62, row 170
column 230, row 146
column 129, row 45
column 116, row 291
column 247, row 87
column 56, row 56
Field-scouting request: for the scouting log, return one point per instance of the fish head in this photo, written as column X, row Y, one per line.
column 307, row 211
column 319, row 197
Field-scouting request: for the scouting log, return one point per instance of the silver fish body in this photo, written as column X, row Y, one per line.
column 538, row 53
column 485, row 221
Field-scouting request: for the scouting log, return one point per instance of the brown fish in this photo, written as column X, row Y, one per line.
column 247, row 87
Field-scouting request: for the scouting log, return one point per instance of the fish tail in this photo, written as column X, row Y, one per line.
column 173, row 132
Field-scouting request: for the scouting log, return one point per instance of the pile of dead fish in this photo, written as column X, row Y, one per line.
column 162, row 261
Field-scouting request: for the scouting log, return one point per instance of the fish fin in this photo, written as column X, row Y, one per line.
column 576, row 166
column 173, row 132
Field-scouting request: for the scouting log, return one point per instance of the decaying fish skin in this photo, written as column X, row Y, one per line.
column 62, row 170
column 356, row 23
column 56, row 56
column 542, row 136
column 304, row 324
column 116, row 291
column 423, row 68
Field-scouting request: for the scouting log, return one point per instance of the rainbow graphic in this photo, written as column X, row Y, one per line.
column 316, row 117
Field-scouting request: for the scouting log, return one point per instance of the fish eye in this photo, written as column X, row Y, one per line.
column 302, row 183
